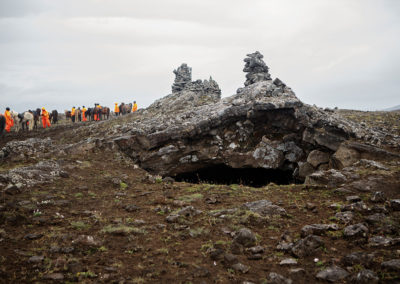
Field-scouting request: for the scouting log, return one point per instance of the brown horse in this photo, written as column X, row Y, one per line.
column 125, row 108
column 105, row 112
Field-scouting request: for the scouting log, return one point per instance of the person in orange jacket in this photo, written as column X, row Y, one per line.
column 116, row 109
column 83, row 113
column 45, row 118
column 9, row 119
column 134, row 107
column 73, row 114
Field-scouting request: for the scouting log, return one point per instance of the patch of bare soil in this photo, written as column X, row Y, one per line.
column 110, row 222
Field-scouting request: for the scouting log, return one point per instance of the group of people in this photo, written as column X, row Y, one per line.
column 122, row 108
column 11, row 116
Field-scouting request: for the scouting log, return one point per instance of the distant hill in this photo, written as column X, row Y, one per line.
column 392, row 108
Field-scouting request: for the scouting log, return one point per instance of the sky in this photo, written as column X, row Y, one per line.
column 64, row 53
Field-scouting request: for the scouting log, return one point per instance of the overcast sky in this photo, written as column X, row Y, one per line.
column 64, row 53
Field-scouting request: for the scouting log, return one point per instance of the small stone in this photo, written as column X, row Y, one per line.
column 241, row 268
column 275, row 278
column 256, row 249
column 318, row 229
column 288, row 261
column 13, row 189
column 33, row 236
column 54, row 276
column 201, row 272
column 355, row 258
column 245, row 237
column 310, row 206
column 307, row 246
column 35, row 259
column 333, row 274
column 131, row 208
column 64, row 174
column 378, row 196
column 353, row 198
column 365, row 276
column 395, row 204
column 379, row 241
column 86, row 241
column 375, row 218
column 393, row 265
column 217, row 254
column 345, row 217
column 256, row 256
column 297, row 271
column 357, row 230
column 230, row 259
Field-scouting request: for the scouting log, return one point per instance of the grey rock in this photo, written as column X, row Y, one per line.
column 256, row 256
column 275, row 278
column 54, row 276
column 395, row 204
column 353, row 198
column 357, row 206
column 256, row 249
column 345, row 156
column 378, row 196
column 241, row 267
column 201, row 272
column 33, row 236
column 36, row 259
column 264, row 208
column 360, row 257
column 330, row 178
column 379, row 241
column 318, row 229
column 345, row 217
column 245, row 237
column 86, row 240
column 357, row 230
column 365, row 276
column 375, row 218
column 189, row 211
column 333, row 274
column 230, row 259
column 288, row 261
column 393, row 264
column 131, row 208
column 305, row 169
column 316, row 158
column 257, row 70
column 307, row 246
column 13, row 189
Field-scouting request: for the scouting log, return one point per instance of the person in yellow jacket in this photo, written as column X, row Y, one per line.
column 73, row 114
column 45, row 118
column 116, row 109
column 83, row 113
column 9, row 119
column 134, row 107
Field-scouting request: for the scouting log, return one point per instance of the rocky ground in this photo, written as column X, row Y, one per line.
column 111, row 201
column 97, row 217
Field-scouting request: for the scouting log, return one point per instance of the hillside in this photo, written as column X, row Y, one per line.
column 255, row 188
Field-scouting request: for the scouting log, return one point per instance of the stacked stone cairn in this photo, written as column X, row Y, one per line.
column 183, row 76
column 255, row 68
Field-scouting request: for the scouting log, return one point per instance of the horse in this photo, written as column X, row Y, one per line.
column 78, row 116
column 36, row 118
column 125, row 108
column 88, row 114
column 53, row 116
column 27, row 120
column 97, row 112
column 106, row 112
column 2, row 124
column 17, row 118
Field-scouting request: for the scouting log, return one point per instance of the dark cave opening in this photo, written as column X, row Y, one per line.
column 222, row 174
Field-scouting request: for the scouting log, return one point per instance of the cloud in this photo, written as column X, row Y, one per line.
column 81, row 52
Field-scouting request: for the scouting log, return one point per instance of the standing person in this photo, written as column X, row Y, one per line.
column 83, row 113
column 9, row 119
column 79, row 114
column 116, row 109
column 45, row 118
column 73, row 114
column 134, row 107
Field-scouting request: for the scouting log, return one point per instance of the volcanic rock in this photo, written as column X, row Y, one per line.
column 333, row 274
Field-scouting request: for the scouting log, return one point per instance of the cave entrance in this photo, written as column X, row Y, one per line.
column 222, row 174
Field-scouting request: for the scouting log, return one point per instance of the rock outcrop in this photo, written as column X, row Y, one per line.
column 263, row 126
